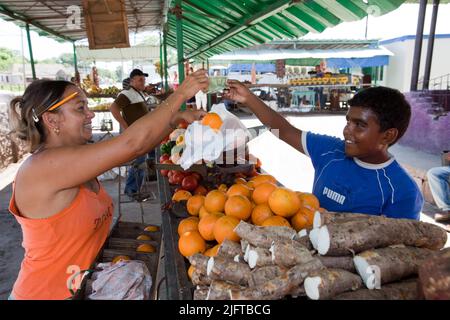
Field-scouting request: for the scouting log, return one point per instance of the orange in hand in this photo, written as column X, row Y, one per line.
column 212, row 120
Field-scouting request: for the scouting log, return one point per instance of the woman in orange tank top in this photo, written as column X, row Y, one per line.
column 64, row 212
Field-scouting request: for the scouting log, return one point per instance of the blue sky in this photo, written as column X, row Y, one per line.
column 402, row 21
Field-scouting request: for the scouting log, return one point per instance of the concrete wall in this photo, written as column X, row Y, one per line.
column 398, row 72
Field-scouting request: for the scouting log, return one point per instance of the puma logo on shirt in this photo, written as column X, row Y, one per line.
column 339, row 198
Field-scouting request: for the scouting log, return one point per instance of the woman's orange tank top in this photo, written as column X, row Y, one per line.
column 58, row 247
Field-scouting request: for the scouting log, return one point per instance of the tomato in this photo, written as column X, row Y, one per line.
column 178, row 189
column 165, row 172
column 258, row 163
column 197, row 175
column 253, row 172
column 201, row 190
column 178, row 177
column 183, row 124
column 164, row 157
column 171, row 179
column 189, row 183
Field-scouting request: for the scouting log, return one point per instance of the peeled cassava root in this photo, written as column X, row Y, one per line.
column 220, row 290
column 199, row 276
column 385, row 265
column 324, row 218
column 228, row 270
column 289, row 253
column 199, row 261
column 405, row 290
column 344, row 262
column 262, row 237
column 303, row 239
column 200, row 293
column 229, row 249
column 259, row 257
column 434, row 277
column 281, row 286
column 263, row 274
column 328, row 283
column 357, row 236
column 313, row 237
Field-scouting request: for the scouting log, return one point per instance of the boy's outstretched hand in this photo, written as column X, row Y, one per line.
column 237, row 92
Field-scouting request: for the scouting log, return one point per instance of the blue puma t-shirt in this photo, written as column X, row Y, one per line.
column 346, row 184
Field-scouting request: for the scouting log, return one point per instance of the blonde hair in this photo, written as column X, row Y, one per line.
column 23, row 111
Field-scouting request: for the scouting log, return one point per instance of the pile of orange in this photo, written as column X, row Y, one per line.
column 259, row 200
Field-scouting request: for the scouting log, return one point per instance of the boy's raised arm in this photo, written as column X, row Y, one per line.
column 270, row 118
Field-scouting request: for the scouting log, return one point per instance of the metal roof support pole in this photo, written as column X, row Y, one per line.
column 208, row 107
column 75, row 62
column 33, row 71
column 180, row 53
column 166, row 70
column 429, row 59
column 418, row 45
column 161, row 66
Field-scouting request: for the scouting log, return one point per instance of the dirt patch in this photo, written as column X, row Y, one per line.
column 11, row 251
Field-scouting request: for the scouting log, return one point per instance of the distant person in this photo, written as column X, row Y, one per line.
column 191, row 103
column 321, row 97
column 201, row 100
column 129, row 106
column 439, row 181
column 175, row 82
column 126, row 84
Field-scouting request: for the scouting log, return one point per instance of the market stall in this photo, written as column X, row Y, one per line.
column 259, row 248
column 285, row 249
column 308, row 75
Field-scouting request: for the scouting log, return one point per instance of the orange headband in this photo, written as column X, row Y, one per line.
column 54, row 106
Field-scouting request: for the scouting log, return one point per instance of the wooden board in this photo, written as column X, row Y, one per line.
column 122, row 241
column 106, row 24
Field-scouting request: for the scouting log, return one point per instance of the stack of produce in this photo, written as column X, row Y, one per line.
column 224, row 221
column 94, row 89
column 101, row 107
column 256, row 240
column 376, row 253
column 275, row 262
column 243, row 243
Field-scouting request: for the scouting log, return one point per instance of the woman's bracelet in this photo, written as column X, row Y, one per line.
column 167, row 104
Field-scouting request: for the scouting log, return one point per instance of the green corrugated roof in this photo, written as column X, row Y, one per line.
column 217, row 26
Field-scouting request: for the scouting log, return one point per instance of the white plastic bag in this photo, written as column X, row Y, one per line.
column 124, row 280
column 203, row 143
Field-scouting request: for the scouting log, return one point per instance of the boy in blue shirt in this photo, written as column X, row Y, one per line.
column 356, row 174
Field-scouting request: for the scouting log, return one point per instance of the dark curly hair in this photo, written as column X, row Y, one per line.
column 389, row 105
column 39, row 95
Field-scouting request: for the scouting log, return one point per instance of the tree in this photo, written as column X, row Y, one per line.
column 150, row 40
column 119, row 73
column 105, row 73
column 8, row 57
column 65, row 59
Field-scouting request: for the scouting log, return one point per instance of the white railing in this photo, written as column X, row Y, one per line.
column 437, row 83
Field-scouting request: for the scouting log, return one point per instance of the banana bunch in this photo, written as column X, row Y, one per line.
column 101, row 107
column 113, row 90
column 93, row 89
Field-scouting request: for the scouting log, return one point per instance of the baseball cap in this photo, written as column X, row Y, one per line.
column 137, row 72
